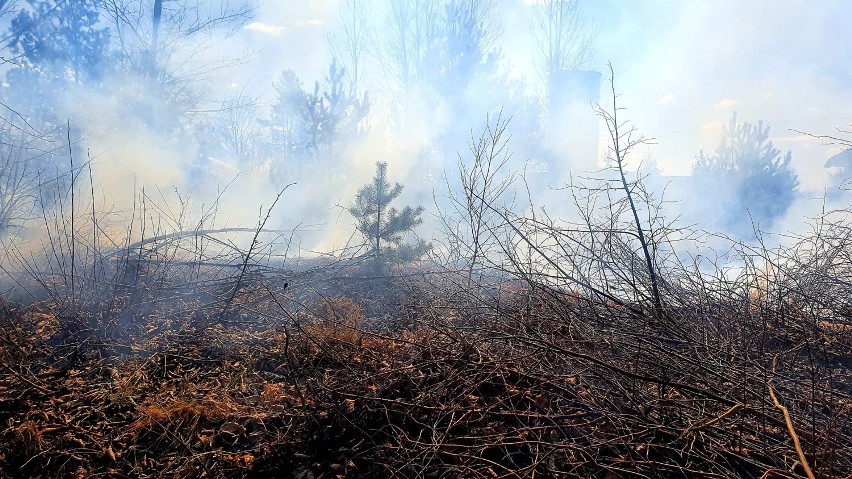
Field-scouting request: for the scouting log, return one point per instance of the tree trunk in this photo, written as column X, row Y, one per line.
column 379, row 196
column 155, row 37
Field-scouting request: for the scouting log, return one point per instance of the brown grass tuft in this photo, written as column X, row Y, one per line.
column 28, row 437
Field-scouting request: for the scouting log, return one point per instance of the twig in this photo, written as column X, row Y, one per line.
column 20, row 376
column 620, row 151
column 789, row 423
column 248, row 254
column 704, row 423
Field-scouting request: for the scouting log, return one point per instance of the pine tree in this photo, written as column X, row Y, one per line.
column 334, row 116
column 757, row 174
column 58, row 45
column 307, row 123
column 60, row 40
column 288, row 111
column 381, row 224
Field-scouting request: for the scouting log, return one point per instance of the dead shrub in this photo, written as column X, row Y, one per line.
column 341, row 310
column 28, row 438
column 178, row 417
column 271, row 393
column 339, row 319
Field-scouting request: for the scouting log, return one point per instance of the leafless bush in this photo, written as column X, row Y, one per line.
column 467, row 224
column 739, row 356
column 26, row 172
column 110, row 274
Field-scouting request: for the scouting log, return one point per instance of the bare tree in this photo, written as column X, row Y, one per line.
column 238, row 132
column 147, row 32
column 20, row 176
column 350, row 44
column 412, row 38
column 439, row 43
column 610, row 250
column 622, row 140
column 159, row 43
column 485, row 180
column 563, row 35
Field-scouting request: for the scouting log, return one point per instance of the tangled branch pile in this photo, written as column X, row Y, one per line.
column 533, row 382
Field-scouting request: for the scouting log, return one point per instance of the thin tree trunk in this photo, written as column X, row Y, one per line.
column 616, row 139
column 155, row 37
column 379, row 196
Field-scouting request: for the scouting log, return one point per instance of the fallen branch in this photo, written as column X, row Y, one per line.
column 705, row 423
column 789, row 423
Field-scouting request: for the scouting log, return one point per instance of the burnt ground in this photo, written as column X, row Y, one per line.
column 535, row 386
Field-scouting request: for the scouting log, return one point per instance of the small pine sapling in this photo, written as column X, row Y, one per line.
column 382, row 226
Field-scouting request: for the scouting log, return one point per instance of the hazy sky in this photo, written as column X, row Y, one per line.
column 682, row 67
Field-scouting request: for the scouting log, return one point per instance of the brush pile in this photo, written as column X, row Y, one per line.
column 529, row 383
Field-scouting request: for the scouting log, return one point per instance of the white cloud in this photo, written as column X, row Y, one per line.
column 265, row 28
column 665, row 100
column 278, row 30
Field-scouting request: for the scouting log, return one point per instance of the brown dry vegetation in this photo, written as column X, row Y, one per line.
column 525, row 384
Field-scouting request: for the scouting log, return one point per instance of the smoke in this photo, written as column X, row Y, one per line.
column 681, row 70
column 781, row 62
column 127, row 153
